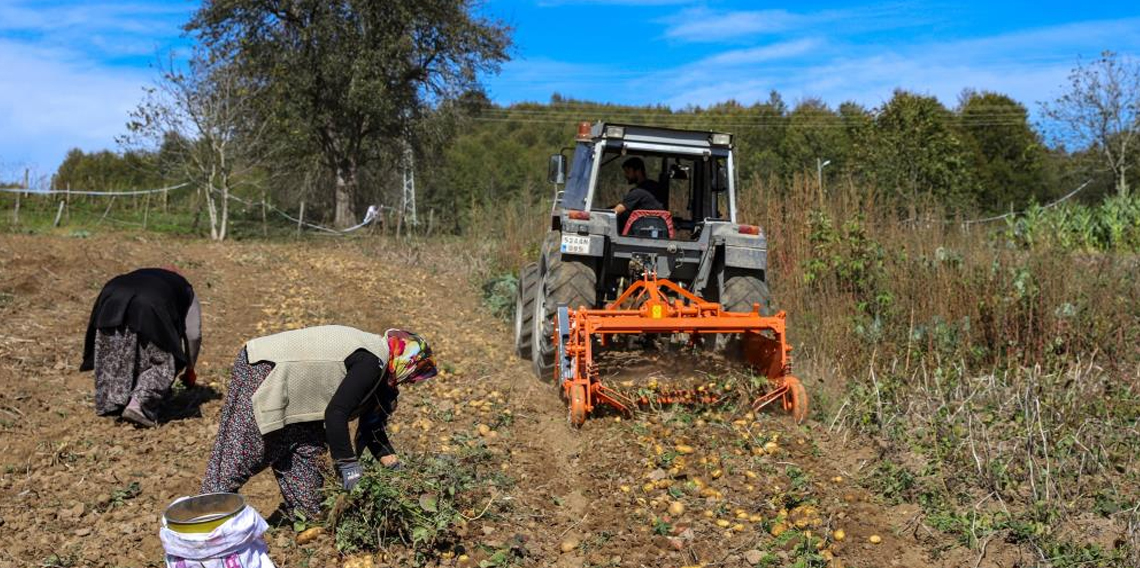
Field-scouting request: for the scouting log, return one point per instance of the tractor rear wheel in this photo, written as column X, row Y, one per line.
column 524, row 310
column 568, row 283
column 741, row 289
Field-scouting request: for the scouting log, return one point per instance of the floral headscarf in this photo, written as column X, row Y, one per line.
column 409, row 358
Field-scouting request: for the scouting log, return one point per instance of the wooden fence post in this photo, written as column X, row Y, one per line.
column 301, row 218
column 146, row 212
column 16, row 212
column 264, row 228
column 108, row 210
column 67, row 199
column 58, row 214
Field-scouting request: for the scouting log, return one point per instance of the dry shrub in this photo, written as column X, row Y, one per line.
column 1002, row 377
column 513, row 229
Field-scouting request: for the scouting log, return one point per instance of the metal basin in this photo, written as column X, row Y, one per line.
column 203, row 513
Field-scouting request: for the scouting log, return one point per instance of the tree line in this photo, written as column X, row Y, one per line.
column 332, row 103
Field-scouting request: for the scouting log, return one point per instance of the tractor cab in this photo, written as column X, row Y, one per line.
column 689, row 235
column 686, row 171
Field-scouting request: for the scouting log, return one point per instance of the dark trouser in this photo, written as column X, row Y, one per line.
column 296, row 452
column 129, row 371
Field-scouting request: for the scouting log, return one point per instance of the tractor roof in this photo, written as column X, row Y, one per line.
column 640, row 135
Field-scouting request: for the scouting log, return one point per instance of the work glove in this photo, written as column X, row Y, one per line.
column 189, row 378
column 350, row 473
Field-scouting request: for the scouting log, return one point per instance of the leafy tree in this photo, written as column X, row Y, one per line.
column 348, row 75
column 106, row 170
column 858, row 129
column 1101, row 110
column 916, row 152
column 759, row 130
column 814, row 132
column 1008, row 158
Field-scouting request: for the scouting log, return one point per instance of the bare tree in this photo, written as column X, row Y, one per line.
column 204, row 115
column 1102, row 110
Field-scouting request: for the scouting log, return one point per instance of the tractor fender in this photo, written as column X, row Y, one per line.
column 745, row 257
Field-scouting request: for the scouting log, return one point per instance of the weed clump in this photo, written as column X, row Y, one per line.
column 422, row 505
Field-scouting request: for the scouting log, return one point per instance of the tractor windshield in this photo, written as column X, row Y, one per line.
column 686, row 185
column 578, row 180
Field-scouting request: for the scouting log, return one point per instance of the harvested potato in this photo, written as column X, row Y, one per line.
column 309, row 535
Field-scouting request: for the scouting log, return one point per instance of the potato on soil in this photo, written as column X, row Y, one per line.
column 309, row 535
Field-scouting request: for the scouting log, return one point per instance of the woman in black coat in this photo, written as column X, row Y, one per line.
column 145, row 328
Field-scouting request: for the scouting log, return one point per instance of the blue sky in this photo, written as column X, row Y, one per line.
column 70, row 71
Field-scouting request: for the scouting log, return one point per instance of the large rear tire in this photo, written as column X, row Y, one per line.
column 524, row 310
column 742, row 288
column 570, row 283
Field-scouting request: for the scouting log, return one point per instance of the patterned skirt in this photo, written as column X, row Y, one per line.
column 128, row 368
column 297, row 453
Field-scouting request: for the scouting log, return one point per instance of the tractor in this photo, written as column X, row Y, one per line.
column 689, row 268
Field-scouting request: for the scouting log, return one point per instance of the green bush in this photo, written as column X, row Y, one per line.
column 1112, row 225
column 499, row 295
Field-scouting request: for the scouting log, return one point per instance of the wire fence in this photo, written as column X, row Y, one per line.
column 125, row 193
column 373, row 214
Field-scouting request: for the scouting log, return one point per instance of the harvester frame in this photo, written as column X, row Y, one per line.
column 653, row 306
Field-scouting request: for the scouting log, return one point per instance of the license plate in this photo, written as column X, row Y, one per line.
column 575, row 244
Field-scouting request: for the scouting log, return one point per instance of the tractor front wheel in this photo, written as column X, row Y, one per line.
column 567, row 282
column 524, row 310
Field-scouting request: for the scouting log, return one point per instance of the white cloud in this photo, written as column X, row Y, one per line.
column 50, row 102
column 99, row 29
column 702, row 25
column 761, row 53
column 73, row 70
column 1029, row 65
column 535, row 79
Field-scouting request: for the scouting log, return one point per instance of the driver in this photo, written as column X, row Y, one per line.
column 640, row 196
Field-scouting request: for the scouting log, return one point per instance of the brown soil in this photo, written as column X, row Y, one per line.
column 87, row 491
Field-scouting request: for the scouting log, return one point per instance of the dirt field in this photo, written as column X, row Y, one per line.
column 79, row 490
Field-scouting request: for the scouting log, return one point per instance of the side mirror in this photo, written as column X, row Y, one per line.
column 721, row 181
column 556, row 171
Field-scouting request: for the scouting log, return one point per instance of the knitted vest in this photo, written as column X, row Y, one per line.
column 308, row 369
